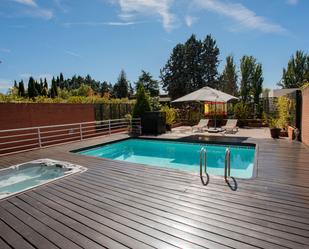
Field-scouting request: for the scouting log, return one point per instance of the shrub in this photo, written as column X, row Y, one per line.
column 241, row 111
column 170, row 114
column 142, row 104
column 283, row 112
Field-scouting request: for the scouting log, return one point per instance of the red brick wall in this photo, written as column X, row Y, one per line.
column 305, row 117
column 30, row 115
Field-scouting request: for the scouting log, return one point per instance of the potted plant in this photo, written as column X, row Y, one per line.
column 274, row 128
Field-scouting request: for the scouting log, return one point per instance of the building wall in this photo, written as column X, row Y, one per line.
column 31, row 115
column 305, row 116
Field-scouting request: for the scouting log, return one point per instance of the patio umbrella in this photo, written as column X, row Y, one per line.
column 206, row 94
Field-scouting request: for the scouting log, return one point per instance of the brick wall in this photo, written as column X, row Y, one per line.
column 305, row 116
column 31, row 115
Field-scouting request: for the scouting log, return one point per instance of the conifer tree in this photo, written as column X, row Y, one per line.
column 21, row 89
column 151, row 86
column 121, row 88
column 32, row 90
column 229, row 77
column 53, row 89
column 142, row 103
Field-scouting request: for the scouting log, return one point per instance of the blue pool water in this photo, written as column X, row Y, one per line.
column 28, row 175
column 178, row 155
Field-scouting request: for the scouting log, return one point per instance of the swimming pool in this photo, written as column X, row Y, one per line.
column 178, row 155
column 28, row 175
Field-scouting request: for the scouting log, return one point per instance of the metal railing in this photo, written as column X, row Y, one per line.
column 227, row 163
column 23, row 139
column 203, row 158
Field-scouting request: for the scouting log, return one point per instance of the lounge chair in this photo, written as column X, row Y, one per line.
column 231, row 126
column 201, row 125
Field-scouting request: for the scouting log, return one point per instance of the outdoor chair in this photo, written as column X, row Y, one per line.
column 231, row 126
column 201, row 125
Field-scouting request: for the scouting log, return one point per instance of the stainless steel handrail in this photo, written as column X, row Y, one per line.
column 227, row 164
column 203, row 154
column 56, row 134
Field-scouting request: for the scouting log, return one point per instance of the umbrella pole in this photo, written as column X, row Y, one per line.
column 215, row 115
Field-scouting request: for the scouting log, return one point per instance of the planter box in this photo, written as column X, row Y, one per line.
column 275, row 132
column 153, row 123
column 291, row 133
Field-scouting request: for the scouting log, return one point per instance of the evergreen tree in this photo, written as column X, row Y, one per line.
column 131, row 90
column 15, row 84
column 192, row 70
column 45, row 88
column 247, row 71
column 61, row 78
column 209, row 62
column 257, row 84
column 142, row 103
column 191, row 66
column 32, row 90
column 53, row 89
column 106, row 88
column 172, row 75
column 229, row 77
column 297, row 71
column 121, row 88
column 21, row 89
column 251, row 80
column 151, row 86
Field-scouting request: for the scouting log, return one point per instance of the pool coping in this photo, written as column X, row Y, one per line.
column 241, row 144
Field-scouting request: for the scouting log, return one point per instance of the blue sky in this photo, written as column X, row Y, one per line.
column 100, row 37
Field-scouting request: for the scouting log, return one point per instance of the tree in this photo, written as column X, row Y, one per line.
column 229, row 77
column 32, row 90
column 45, row 88
column 172, row 75
column 142, row 103
column 151, row 86
column 61, row 78
column 297, row 71
column 121, row 88
column 21, row 89
column 209, row 62
column 15, row 84
column 192, row 70
column 247, row 65
column 53, row 89
column 106, row 88
column 257, row 85
column 191, row 66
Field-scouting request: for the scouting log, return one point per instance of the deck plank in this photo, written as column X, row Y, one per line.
column 121, row 205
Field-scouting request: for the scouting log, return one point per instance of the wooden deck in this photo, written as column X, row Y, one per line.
column 121, row 205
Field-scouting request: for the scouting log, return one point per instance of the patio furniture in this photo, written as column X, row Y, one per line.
column 231, row 126
column 201, row 125
column 207, row 94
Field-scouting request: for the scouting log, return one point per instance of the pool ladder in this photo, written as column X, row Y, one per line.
column 227, row 163
column 203, row 162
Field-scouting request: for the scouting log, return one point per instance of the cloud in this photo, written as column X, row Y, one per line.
column 5, row 50
column 73, row 54
column 242, row 15
column 94, row 24
column 292, row 2
column 27, row 2
column 160, row 8
column 33, row 9
column 190, row 20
